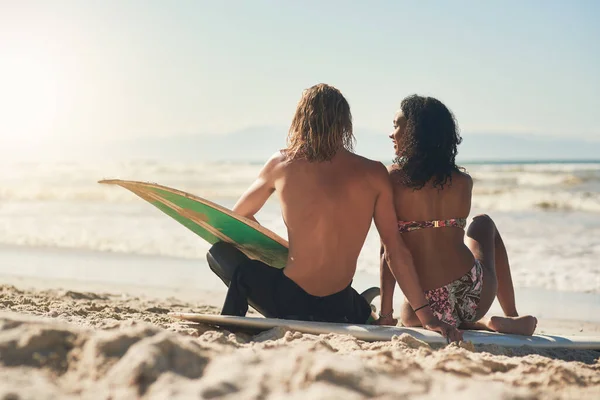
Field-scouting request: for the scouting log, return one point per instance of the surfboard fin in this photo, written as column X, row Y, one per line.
column 370, row 294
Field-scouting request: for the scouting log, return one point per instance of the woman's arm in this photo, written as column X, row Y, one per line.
column 400, row 260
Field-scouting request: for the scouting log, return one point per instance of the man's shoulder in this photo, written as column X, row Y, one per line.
column 278, row 158
column 273, row 167
column 374, row 171
column 368, row 164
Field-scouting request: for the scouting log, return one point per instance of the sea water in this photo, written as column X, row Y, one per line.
column 548, row 213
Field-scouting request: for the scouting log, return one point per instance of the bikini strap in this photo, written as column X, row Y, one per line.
column 409, row 226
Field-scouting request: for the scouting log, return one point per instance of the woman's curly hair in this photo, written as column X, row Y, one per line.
column 322, row 125
column 429, row 143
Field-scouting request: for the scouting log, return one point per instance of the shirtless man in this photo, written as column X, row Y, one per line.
column 329, row 196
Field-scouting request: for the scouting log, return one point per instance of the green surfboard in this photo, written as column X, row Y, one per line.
column 212, row 222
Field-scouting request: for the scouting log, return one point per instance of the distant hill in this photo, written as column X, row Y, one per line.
column 476, row 147
column 258, row 143
column 250, row 144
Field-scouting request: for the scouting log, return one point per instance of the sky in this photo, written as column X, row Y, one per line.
column 74, row 71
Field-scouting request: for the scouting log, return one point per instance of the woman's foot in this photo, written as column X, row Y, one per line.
column 524, row 325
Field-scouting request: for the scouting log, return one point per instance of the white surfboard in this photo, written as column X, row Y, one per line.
column 373, row 333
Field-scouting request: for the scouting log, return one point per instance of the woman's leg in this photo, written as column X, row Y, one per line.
column 485, row 242
column 408, row 316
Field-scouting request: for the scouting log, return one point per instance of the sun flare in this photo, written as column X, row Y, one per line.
column 29, row 96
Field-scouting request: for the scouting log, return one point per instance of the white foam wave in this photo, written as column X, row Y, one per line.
column 569, row 186
column 503, row 199
column 527, row 179
column 537, row 168
column 106, row 194
column 77, row 183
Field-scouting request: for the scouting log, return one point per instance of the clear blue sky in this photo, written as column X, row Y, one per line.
column 133, row 68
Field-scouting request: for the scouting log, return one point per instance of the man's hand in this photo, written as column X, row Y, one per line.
column 391, row 321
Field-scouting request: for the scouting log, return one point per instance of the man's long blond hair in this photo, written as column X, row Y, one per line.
column 321, row 126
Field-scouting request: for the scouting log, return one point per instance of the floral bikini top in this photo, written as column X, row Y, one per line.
column 409, row 226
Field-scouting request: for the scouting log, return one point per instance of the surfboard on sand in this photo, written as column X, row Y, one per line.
column 373, row 333
column 212, row 222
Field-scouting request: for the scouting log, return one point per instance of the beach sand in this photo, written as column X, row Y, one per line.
column 64, row 343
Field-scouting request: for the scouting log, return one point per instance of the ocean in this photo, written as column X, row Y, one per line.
column 547, row 212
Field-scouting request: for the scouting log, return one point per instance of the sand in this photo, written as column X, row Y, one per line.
column 69, row 344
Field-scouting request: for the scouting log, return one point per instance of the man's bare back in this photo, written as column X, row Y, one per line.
column 327, row 208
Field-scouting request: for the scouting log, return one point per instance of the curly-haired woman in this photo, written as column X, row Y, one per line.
column 461, row 275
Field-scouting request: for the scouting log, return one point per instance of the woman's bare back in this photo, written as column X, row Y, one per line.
column 439, row 254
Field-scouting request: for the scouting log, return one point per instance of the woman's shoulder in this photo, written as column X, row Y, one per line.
column 395, row 170
column 397, row 176
column 461, row 176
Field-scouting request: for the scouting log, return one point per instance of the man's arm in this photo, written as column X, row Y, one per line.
column 400, row 260
column 259, row 192
column 387, row 284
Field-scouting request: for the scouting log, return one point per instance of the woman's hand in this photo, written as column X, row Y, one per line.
column 430, row 322
column 451, row 333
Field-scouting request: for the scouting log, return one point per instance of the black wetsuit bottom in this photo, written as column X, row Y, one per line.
column 276, row 295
